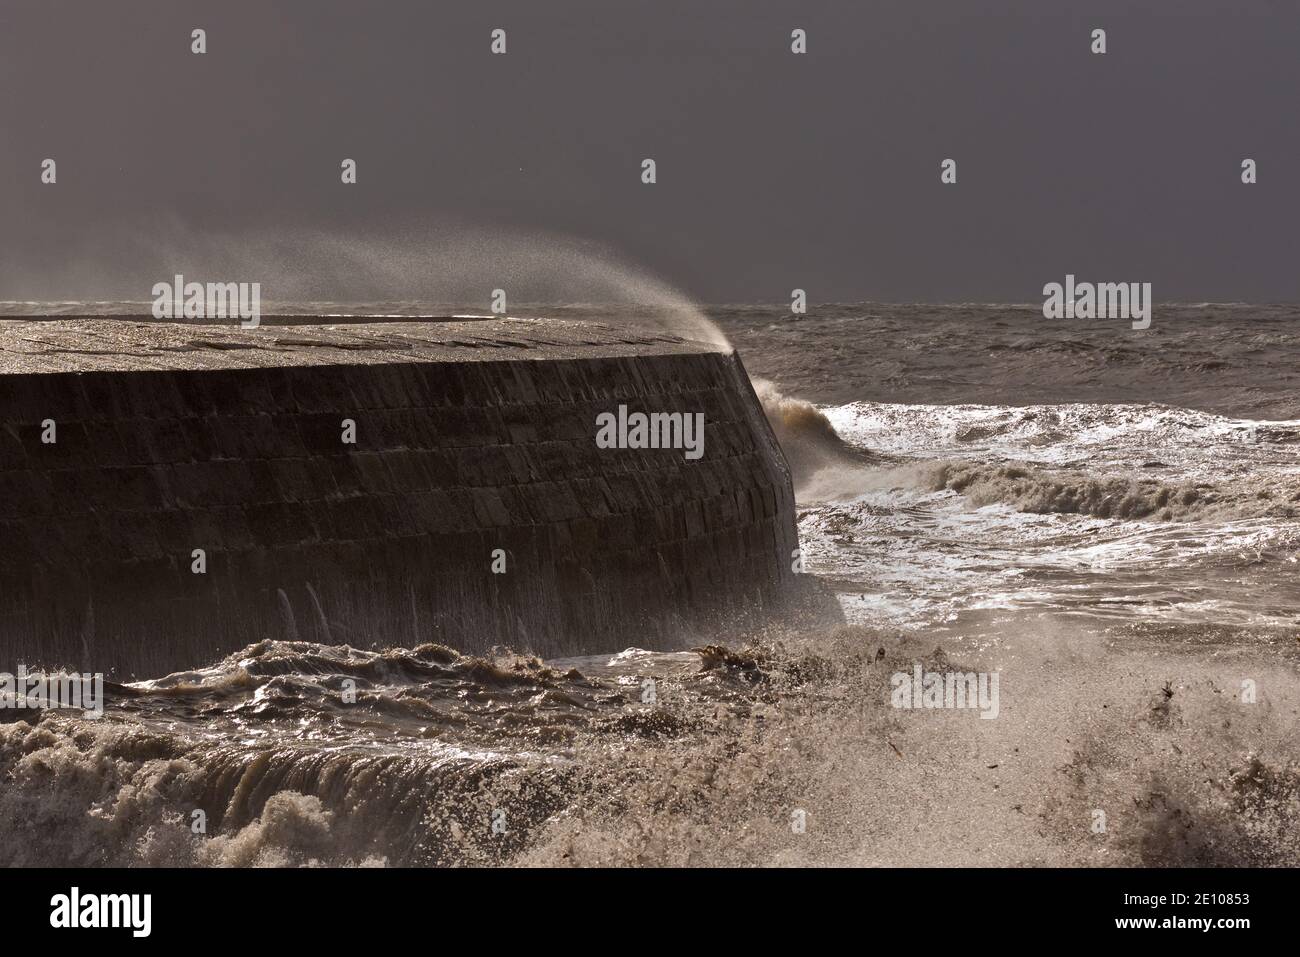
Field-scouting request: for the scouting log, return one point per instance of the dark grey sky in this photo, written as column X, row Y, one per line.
column 775, row 171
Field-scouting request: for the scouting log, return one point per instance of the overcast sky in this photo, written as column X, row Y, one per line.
column 775, row 171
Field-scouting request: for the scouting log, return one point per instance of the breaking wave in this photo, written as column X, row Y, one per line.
column 1034, row 490
column 821, row 463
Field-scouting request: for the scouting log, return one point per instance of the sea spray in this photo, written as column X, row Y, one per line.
column 451, row 269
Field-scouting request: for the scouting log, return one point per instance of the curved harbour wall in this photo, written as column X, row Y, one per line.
column 474, row 507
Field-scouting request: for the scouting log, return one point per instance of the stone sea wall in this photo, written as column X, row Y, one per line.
column 473, row 507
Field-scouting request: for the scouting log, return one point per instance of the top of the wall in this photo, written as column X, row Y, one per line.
column 130, row 343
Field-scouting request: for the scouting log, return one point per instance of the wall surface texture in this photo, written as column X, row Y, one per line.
column 469, row 437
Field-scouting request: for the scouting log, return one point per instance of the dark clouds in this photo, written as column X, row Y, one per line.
column 775, row 171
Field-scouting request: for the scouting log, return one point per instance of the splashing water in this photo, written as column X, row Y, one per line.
column 450, row 270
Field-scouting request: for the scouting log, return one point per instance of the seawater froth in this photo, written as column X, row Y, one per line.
column 579, row 770
column 954, row 515
column 1198, row 444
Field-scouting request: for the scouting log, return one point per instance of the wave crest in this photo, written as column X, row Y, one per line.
column 1033, row 490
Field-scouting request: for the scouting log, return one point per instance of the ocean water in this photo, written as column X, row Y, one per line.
column 1108, row 519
